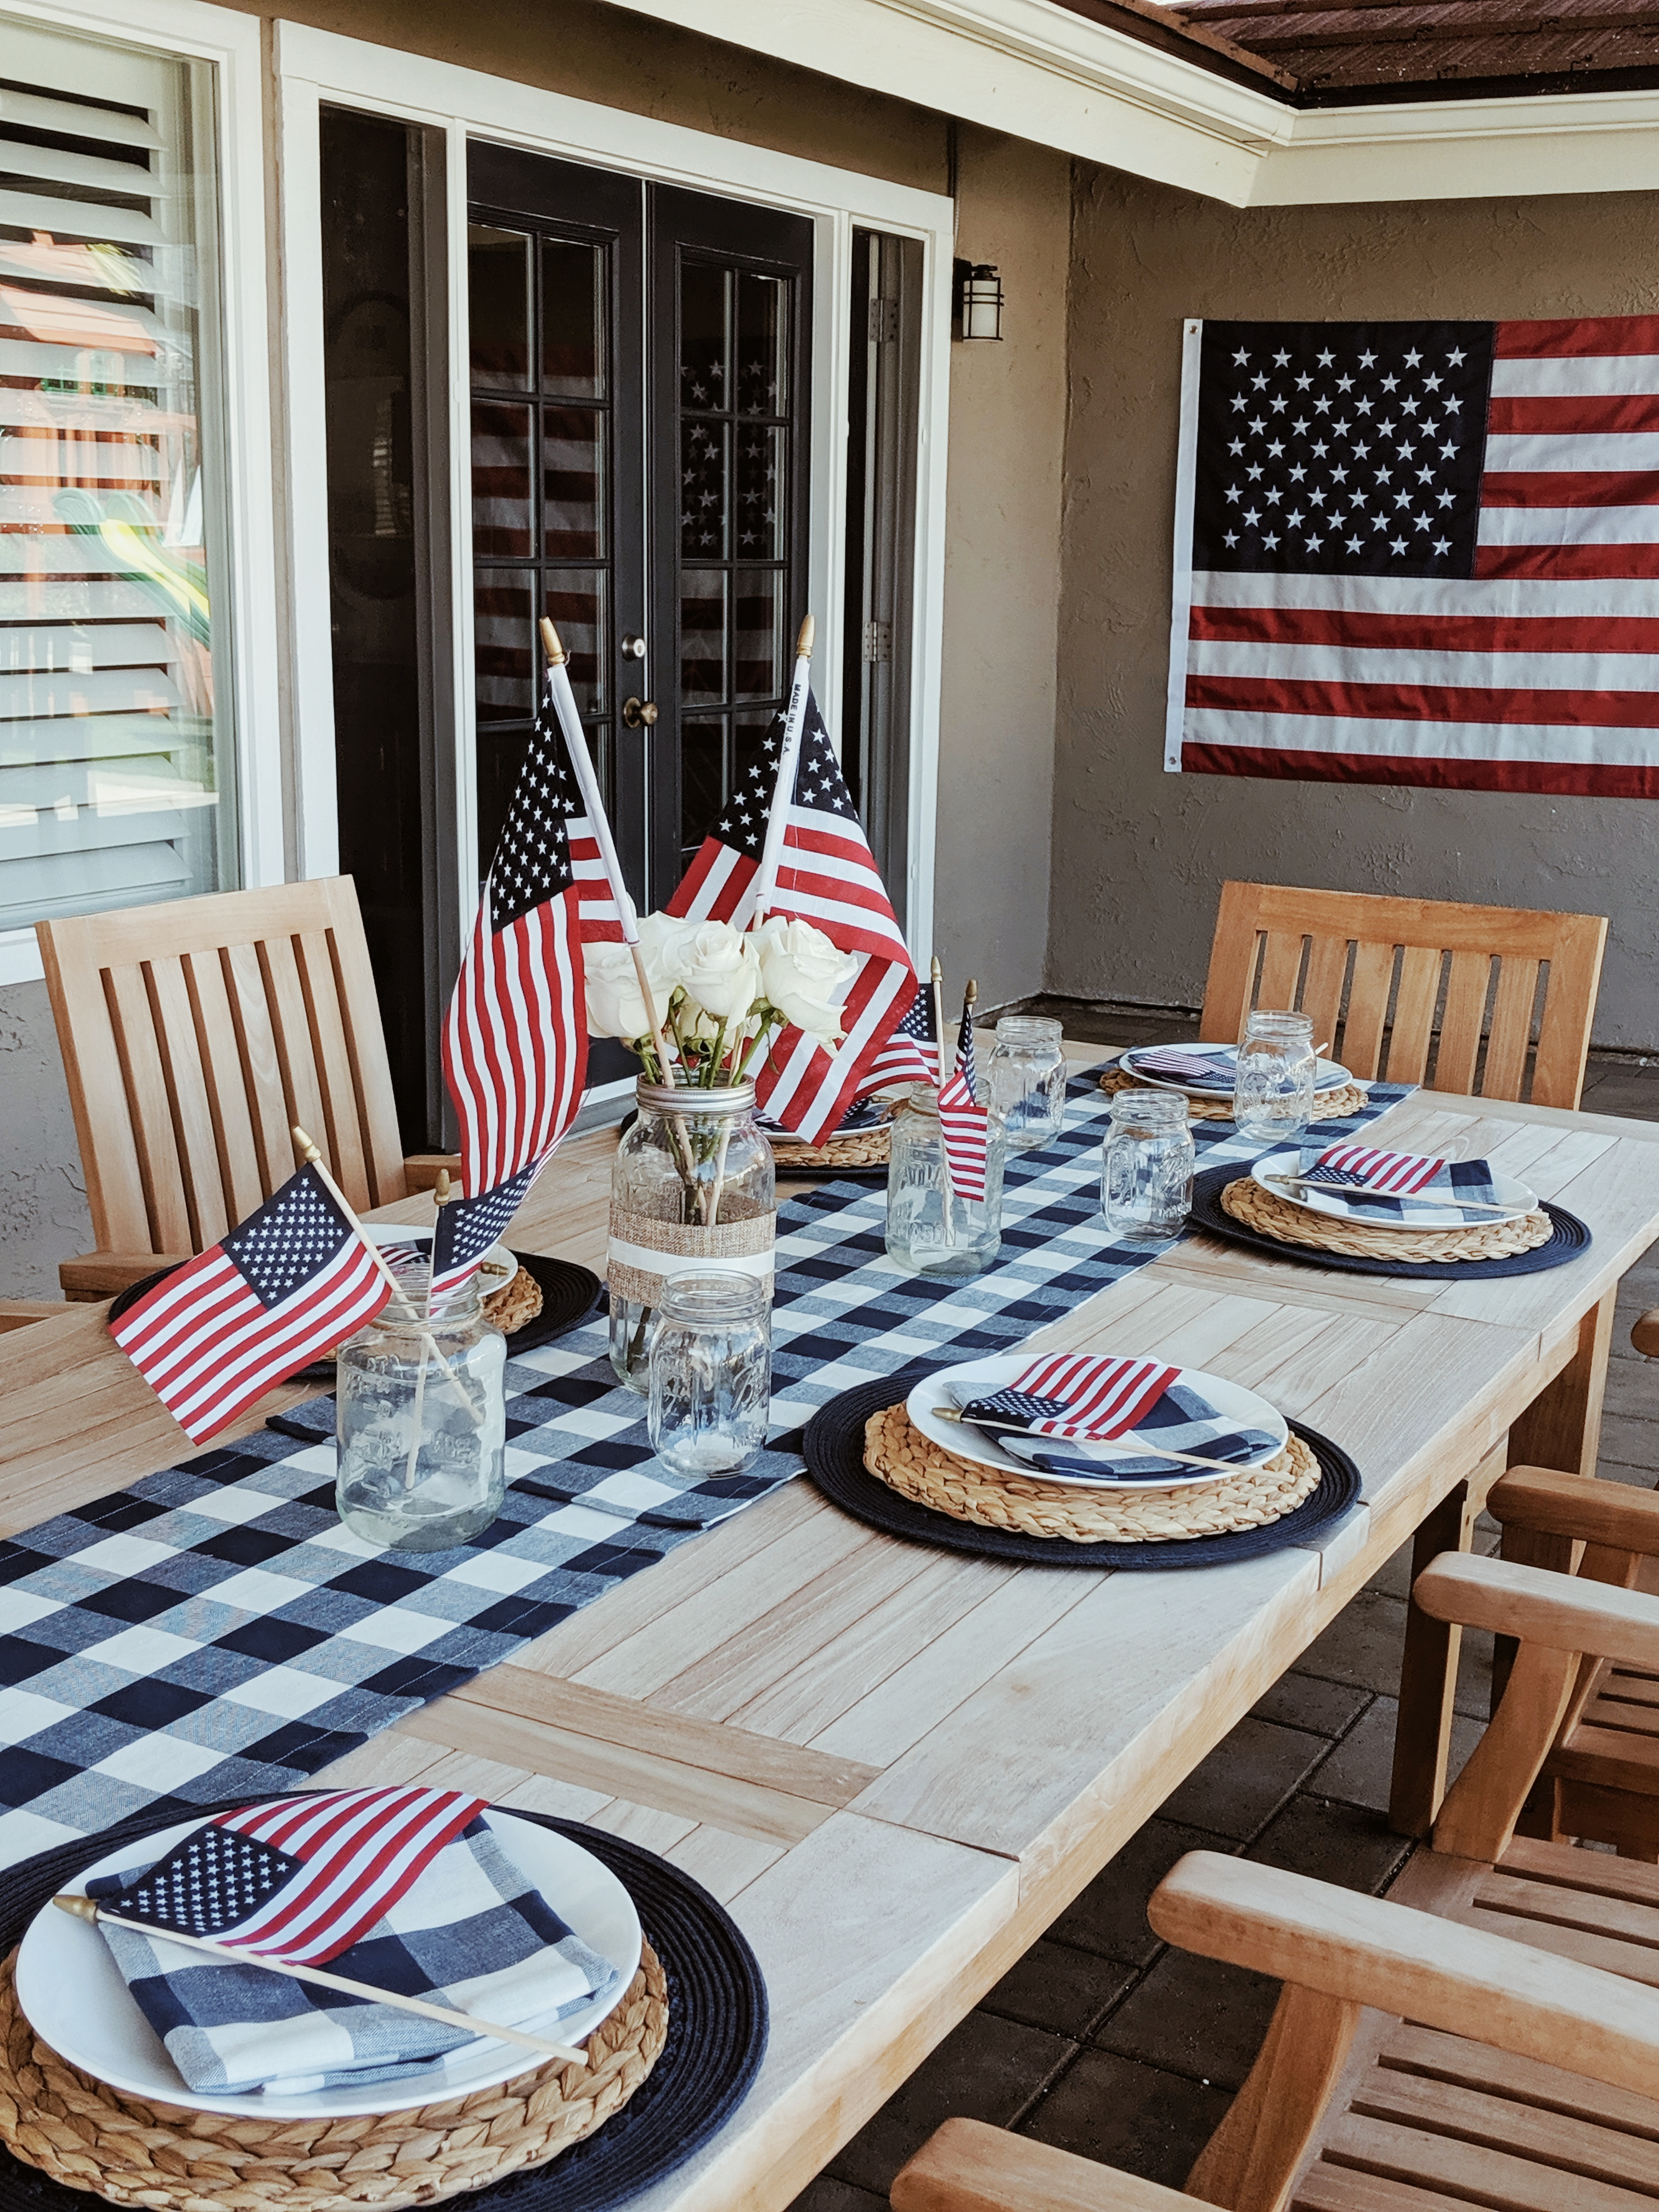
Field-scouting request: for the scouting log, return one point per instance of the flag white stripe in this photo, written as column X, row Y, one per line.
column 1568, row 526
column 703, row 906
column 1581, row 376
column 1584, row 598
column 1499, row 672
column 1584, row 452
column 1485, row 741
column 301, row 1935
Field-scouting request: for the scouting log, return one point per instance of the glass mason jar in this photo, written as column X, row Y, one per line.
column 692, row 1187
column 420, row 1418
column 1273, row 1091
column 932, row 1229
column 1147, row 1168
column 711, row 1372
column 1026, row 1076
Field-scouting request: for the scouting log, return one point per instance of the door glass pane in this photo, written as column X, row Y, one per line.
column 498, row 292
column 501, row 480
column 759, row 615
column 503, row 645
column 702, row 639
column 114, row 786
column 762, row 347
column 703, row 477
column 758, row 520
column 573, row 319
column 705, row 304
column 703, row 770
column 572, row 483
column 575, row 598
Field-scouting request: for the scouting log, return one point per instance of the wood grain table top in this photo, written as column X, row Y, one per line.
column 896, row 1766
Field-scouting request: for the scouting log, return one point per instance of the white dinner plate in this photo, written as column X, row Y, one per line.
column 72, row 1993
column 977, row 1378
column 1507, row 1192
column 1329, row 1075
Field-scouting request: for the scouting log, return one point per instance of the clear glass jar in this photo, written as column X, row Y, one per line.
column 421, row 1419
column 692, row 1187
column 711, row 1373
column 932, row 1229
column 1026, row 1080
column 1146, row 1166
column 1274, row 1090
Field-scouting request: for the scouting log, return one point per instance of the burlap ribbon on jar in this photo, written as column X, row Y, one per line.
column 645, row 1252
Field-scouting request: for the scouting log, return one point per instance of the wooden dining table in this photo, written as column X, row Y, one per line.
column 896, row 1766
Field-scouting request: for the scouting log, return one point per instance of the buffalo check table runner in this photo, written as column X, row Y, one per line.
column 213, row 1632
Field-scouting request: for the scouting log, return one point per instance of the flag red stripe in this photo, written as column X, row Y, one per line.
column 1424, row 702
column 1567, row 561
column 1572, row 415
column 1577, row 338
column 1563, row 488
column 1588, row 779
column 1427, row 633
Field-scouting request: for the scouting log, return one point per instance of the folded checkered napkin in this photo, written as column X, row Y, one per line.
column 470, row 1931
column 1049, row 1433
column 1210, row 1064
column 1382, row 1182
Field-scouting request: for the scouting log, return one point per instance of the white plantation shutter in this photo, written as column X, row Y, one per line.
column 111, row 789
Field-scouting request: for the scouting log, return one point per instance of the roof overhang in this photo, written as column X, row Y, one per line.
column 1040, row 71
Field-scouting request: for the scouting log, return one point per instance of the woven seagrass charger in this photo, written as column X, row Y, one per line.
column 862, row 1148
column 897, row 1454
column 1269, row 1215
column 1328, row 1106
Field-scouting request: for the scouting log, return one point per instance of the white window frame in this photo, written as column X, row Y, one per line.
column 244, row 601
column 313, row 67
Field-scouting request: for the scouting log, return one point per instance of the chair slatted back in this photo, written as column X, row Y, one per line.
column 195, row 1035
column 1416, row 990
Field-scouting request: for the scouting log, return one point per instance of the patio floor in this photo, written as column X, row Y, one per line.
column 1104, row 2040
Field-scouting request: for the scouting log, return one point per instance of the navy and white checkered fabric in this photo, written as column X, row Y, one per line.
column 214, row 1633
column 472, row 1932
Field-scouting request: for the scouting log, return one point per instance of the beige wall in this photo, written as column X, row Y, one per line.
column 1002, row 576
column 1139, row 854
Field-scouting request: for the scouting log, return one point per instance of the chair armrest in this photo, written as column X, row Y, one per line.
column 1644, row 1333
column 1560, row 1612
column 1557, row 1504
column 1362, row 1950
column 966, row 2167
column 422, row 1169
column 18, row 1313
column 93, row 1275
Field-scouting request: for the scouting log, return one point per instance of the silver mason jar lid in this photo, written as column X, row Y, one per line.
column 684, row 1098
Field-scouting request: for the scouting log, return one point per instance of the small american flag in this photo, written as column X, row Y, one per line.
column 303, row 1878
column 1397, row 1173
column 515, row 1037
column 1419, row 553
column 1080, row 1395
column 965, row 1126
column 911, row 1052
column 467, row 1227
column 291, row 1281
column 826, row 877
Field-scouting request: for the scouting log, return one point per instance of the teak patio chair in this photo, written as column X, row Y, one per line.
column 194, row 1035
column 1374, row 974
column 1413, row 2063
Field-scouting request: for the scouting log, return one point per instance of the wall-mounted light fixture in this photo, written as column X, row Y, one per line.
column 978, row 300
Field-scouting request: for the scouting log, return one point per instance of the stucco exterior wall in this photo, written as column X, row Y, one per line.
column 1002, row 577
column 1138, row 854
column 43, row 1196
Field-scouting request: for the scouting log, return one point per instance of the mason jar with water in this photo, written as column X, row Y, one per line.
column 1273, row 1080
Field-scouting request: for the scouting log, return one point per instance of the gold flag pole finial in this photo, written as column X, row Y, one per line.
column 556, row 652
column 809, row 630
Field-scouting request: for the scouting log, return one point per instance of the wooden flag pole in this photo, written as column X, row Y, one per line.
column 428, row 1343
column 936, row 977
column 777, row 820
column 88, row 1908
column 575, row 738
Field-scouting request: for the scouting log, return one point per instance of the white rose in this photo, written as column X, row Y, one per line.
column 662, row 941
column 718, row 967
column 615, row 1007
column 807, row 977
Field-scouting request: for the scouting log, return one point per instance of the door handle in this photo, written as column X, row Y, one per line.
column 639, row 713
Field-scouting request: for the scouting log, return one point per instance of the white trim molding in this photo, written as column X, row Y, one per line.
column 245, row 654
column 1036, row 70
column 313, row 67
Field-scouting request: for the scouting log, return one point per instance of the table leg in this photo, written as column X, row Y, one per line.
column 1562, row 1427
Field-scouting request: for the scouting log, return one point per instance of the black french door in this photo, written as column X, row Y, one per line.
column 639, row 376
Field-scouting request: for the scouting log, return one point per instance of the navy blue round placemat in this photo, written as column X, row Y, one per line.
column 717, row 2028
column 1570, row 1240
column 834, row 1449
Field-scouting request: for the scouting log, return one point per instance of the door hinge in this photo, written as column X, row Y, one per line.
column 883, row 321
column 878, row 641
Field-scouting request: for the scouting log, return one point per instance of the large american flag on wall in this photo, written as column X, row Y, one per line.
column 1419, row 553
